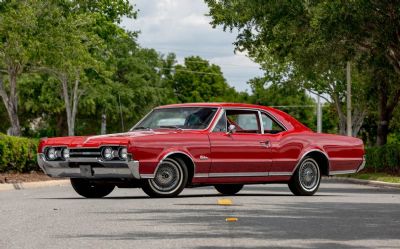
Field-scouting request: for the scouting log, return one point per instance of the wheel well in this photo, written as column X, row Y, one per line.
column 322, row 161
column 188, row 162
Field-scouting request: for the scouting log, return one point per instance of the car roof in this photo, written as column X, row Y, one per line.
column 290, row 122
column 216, row 104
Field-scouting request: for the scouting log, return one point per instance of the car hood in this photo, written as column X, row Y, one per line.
column 109, row 139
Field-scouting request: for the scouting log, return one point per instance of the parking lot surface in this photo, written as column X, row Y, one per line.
column 341, row 215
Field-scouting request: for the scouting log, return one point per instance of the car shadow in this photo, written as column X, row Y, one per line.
column 183, row 196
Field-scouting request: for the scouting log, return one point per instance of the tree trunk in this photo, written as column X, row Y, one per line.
column 383, row 131
column 358, row 119
column 342, row 117
column 11, row 101
column 64, row 83
column 383, row 114
column 71, row 102
column 103, row 124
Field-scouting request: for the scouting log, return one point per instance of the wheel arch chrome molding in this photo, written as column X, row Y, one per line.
column 311, row 151
column 151, row 176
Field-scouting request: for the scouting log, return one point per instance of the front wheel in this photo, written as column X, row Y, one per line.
column 228, row 189
column 91, row 189
column 169, row 180
column 306, row 179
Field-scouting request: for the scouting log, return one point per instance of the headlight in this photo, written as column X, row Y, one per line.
column 65, row 153
column 51, row 154
column 108, row 153
column 123, row 153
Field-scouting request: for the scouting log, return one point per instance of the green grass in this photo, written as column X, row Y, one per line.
column 383, row 177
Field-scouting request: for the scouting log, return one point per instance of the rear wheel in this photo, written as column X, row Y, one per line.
column 170, row 179
column 91, row 189
column 228, row 189
column 306, row 179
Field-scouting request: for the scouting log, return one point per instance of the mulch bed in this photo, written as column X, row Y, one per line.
column 23, row 177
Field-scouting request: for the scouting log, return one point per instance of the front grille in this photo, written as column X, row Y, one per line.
column 89, row 152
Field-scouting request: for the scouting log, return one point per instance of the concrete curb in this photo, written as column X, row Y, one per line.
column 30, row 185
column 363, row 182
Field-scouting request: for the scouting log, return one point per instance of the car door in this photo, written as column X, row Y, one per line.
column 243, row 152
column 280, row 154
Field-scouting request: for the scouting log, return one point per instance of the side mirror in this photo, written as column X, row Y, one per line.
column 231, row 129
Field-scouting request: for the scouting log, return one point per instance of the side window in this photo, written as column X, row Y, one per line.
column 245, row 121
column 221, row 125
column 270, row 126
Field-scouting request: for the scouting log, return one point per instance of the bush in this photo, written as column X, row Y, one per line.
column 383, row 159
column 17, row 154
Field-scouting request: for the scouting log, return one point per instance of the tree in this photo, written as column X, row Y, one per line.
column 199, row 81
column 287, row 97
column 311, row 40
column 75, row 38
column 18, row 27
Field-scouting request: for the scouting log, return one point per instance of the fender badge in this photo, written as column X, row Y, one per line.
column 202, row 157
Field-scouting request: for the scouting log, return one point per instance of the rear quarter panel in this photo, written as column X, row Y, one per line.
column 344, row 153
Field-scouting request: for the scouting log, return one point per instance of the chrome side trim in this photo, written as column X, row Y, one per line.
column 200, row 175
column 341, row 172
column 238, row 174
column 146, row 176
column 308, row 152
column 242, row 174
column 280, row 173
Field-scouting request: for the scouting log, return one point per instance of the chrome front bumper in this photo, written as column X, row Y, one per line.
column 361, row 167
column 106, row 169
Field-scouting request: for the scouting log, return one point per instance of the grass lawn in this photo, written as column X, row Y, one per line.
column 383, row 177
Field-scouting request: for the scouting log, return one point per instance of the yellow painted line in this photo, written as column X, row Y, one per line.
column 231, row 219
column 225, row 202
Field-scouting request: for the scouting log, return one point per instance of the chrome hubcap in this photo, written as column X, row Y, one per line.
column 309, row 175
column 168, row 178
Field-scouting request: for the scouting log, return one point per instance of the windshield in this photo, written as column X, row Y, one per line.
column 197, row 118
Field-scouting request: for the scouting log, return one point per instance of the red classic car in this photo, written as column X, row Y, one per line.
column 225, row 145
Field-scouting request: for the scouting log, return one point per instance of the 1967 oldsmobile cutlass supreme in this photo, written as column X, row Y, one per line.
column 224, row 145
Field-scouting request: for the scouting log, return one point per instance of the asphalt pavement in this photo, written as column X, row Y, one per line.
column 341, row 215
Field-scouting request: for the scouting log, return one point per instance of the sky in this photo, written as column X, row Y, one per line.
column 181, row 27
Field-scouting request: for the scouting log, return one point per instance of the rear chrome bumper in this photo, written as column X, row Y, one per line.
column 361, row 167
column 107, row 169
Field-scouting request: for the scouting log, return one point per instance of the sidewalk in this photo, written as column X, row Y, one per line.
column 363, row 182
column 30, row 185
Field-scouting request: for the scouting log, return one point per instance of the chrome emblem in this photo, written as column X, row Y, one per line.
column 202, row 157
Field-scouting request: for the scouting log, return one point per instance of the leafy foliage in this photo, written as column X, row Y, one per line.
column 383, row 158
column 17, row 154
column 287, row 97
column 199, row 81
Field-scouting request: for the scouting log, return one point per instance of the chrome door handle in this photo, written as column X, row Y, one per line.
column 265, row 143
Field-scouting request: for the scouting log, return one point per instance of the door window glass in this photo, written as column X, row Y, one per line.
column 270, row 125
column 244, row 121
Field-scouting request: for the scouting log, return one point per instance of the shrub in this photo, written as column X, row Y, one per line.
column 17, row 154
column 383, row 159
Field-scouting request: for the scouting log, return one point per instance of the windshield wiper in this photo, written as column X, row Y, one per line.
column 142, row 128
column 169, row 127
